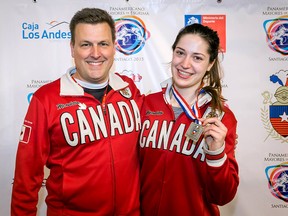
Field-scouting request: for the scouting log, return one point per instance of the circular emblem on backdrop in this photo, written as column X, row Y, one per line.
column 278, row 180
column 277, row 34
column 131, row 34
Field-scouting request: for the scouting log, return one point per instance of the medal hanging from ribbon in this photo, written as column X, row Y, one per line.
column 195, row 129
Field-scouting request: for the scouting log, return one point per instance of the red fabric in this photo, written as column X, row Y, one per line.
column 175, row 178
column 93, row 157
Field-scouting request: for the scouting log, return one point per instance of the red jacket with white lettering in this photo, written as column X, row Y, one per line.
column 92, row 154
column 178, row 177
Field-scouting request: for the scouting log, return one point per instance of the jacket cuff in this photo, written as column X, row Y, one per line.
column 215, row 158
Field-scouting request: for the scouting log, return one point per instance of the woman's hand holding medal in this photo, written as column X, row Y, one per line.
column 214, row 132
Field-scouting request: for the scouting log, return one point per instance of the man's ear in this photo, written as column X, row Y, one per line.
column 72, row 49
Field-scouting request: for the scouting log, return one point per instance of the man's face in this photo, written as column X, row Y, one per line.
column 93, row 52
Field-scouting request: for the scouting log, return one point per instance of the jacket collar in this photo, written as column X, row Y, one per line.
column 68, row 87
column 166, row 89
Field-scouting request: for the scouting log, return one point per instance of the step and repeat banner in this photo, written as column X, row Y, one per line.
column 35, row 50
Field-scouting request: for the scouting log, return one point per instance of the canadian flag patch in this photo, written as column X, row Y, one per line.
column 25, row 133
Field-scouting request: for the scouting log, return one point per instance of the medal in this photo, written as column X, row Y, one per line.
column 212, row 114
column 194, row 131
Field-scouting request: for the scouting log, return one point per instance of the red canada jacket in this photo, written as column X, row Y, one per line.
column 89, row 147
column 177, row 176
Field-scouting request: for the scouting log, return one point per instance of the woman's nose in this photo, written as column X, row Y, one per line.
column 186, row 63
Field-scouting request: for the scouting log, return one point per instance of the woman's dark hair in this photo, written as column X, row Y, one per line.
column 212, row 78
column 91, row 16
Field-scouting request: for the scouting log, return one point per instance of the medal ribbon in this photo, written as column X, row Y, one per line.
column 192, row 112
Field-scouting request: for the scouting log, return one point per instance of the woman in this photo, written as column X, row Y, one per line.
column 188, row 135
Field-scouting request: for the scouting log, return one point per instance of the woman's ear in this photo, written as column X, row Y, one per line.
column 210, row 65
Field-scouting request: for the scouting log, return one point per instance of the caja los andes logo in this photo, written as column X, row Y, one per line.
column 53, row 30
column 274, row 114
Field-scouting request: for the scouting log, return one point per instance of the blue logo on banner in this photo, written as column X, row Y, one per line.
column 131, row 34
column 191, row 19
column 277, row 34
column 277, row 177
column 32, row 31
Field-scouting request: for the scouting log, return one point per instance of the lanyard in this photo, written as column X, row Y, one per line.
column 192, row 112
column 103, row 102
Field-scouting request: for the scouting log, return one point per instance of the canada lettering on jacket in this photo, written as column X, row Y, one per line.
column 92, row 124
column 158, row 137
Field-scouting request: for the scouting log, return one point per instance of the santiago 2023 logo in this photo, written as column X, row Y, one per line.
column 277, row 177
column 131, row 34
column 277, row 34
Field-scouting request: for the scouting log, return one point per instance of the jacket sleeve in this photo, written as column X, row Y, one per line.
column 31, row 156
column 222, row 177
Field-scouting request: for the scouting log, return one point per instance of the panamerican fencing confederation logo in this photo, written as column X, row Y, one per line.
column 277, row 177
column 131, row 34
column 277, row 34
column 274, row 115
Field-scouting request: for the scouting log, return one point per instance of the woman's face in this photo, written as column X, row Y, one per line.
column 190, row 62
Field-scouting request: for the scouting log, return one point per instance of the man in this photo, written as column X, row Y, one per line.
column 84, row 128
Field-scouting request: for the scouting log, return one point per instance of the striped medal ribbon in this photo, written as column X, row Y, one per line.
column 195, row 129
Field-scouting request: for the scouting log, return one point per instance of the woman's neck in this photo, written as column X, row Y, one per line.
column 188, row 94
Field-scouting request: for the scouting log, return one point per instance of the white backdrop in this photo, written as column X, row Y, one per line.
column 34, row 44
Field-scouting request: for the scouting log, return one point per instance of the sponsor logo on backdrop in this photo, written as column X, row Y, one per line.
column 274, row 114
column 276, row 11
column 52, row 30
column 35, row 84
column 131, row 34
column 136, row 77
column 216, row 22
column 131, row 37
column 277, row 33
column 128, row 11
column 277, row 177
